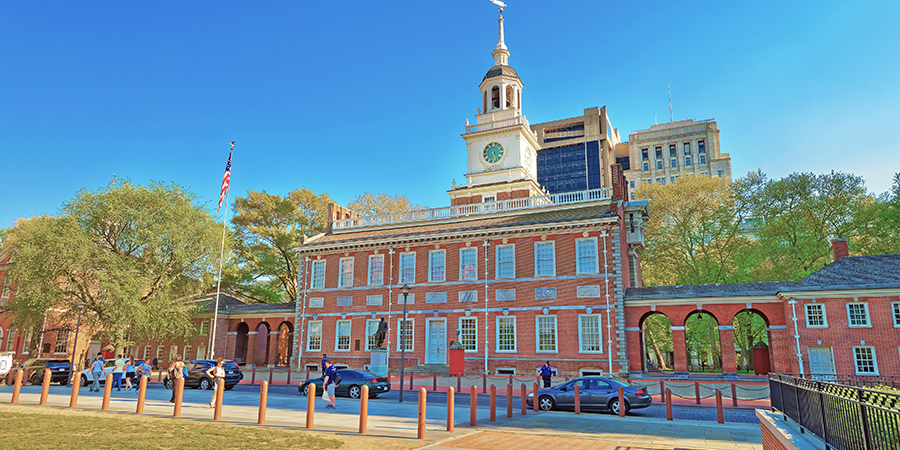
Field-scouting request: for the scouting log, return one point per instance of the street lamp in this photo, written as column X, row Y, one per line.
column 80, row 306
column 405, row 290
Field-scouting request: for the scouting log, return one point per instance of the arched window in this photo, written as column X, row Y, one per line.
column 495, row 97
column 509, row 96
column 484, row 101
column 519, row 99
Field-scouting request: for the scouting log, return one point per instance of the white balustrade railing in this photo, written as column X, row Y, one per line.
column 499, row 124
column 447, row 212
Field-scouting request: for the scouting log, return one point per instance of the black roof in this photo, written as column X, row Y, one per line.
column 231, row 304
column 496, row 71
column 852, row 272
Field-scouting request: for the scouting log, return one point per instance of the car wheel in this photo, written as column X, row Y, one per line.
column 306, row 389
column 84, row 381
column 614, row 406
column 64, row 382
column 35, row 380
column 546, row 403
column 205, row 384
column 354, row 391
column 229, row 387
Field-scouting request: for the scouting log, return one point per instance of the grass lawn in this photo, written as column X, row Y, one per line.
column 29, row 427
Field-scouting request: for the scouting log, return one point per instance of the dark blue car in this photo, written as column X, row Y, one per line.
column 595, row 394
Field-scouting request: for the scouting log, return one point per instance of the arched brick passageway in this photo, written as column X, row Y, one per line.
column 656, row 339
column 704, row 350
column 240, row 343
column 749, row 327
column 285, row 338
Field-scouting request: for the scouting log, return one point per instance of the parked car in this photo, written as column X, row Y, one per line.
column 595, row 394
column 198, row 379
column 34, row 370
column 351, row 385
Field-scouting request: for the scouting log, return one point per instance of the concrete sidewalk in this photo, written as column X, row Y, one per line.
column 395, row 420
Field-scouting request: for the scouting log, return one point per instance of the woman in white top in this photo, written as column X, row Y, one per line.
column 216, row 372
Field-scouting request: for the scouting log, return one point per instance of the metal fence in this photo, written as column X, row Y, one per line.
column 845, row 417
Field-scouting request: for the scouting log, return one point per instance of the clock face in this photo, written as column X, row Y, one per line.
column 493, row 152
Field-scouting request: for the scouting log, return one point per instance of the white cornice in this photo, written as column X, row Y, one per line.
column 841, row 293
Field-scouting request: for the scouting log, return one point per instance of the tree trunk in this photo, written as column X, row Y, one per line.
column 659, row 355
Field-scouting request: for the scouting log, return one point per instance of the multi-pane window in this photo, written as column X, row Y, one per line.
column 671, row 149
column 858, row 314
column 160, row 351
column 544, row 259
column 147, row 352
column 586, row 255
column 506, row 333
column 468, row 333
column 721, row 173
column 589, row 333
column 314, row 336
column 318, row 274
column 659, row 164
column 186, row 353
column 687, row 160
column 407, row 268
column 631, row 184
column 646, row 167
column 346, row 277
column 673, row 162
column 658, row 151
column 702, row 159
column 468, row 264
column 644, row 153
column 342, row 336
column 815, row 315
column 371, row 329
column 546, row 333
column 376, row 270
column 204, row 328
column 405, row 334
column 4, row 292
column 11, row 341
column 173, row 351
column 506, row 261
column 864, row 357
column 895, row 307
column 687, row 148
column 437, row 265
column 62, row 341
column 701, row 147
column 673, row 178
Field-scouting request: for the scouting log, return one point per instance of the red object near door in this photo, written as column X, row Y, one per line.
column 457, row 357
column 761, row 364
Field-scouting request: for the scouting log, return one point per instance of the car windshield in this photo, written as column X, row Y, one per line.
column 620, row 381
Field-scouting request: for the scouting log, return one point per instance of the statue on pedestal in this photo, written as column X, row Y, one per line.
column 381, row 333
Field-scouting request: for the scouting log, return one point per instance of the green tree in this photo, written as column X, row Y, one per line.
column 658, row 339
column 749, row 328
column 879, row 223
column 266, row 228
column 133, row 254
column 693, row 235
column 369, row 204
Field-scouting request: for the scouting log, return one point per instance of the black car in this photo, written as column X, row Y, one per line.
column 34, row 370
column 351, row 385
column 594, row 393
column 198, row 379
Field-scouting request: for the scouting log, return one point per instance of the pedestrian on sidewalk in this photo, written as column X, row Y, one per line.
column 324, row 360
column 96, row 372
column 217, row 373
column 329, row 382
column 176, row 372
column 141, row 369
column 129, row 372
column 118, row 371
column 546, row 373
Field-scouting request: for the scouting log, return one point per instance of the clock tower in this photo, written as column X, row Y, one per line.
column 501, row 148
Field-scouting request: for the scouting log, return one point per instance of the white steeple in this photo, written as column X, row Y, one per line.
column 501, row 53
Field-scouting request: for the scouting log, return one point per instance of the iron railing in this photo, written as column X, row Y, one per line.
column 844, row 417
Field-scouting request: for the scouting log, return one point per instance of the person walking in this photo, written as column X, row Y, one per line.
column 142, row 368
column 216, row 372
column 118, row 371
column 96, row 372
column 546, row 373
column 328, row 383
column 324, row 360
column 175, row 373
column 129, row 373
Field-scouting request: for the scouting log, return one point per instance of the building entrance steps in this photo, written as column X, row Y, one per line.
column 399, row 420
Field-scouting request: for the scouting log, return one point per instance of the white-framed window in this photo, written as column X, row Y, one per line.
column 342, row 336
column 371, row 328
column 703, row 161
column 687, row 160
column 895, row 309
column 62, row 341
column 864, row 359
column 544, row 259
column 506, row 261
column 160, row 351
column 173, row 351
column 204, row 328
column 437, row 265
column 545, row 327
column 468, row 263
column 201, row 352
column 407, row 330
column 407, row 268
column 10, row 341
column 4, row 292
column 468, row 333
column 346, row 277
column 815, row 316
column 858, row 314
column 376, row 270
column 589, row 335
column 586, row 255
column 506, row 334
column 318, row 274
column 186, row 353
column 314, row 336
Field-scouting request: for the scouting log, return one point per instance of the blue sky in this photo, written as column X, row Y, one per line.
column 348, row 97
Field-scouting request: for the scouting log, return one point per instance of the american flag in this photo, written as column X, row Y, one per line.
column 227, row 178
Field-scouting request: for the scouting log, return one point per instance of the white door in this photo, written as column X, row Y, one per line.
column 821, row 361
column 437, row 342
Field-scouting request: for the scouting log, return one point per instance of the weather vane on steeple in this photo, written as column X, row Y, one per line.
column 500, row 4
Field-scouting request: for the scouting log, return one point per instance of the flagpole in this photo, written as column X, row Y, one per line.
column 212, row 336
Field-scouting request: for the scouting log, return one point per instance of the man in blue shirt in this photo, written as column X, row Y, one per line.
column 324, row 360
column 328, row 383
column 546, row 373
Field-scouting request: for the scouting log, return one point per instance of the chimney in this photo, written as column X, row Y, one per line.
column 839, row 248
column 619, row 187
